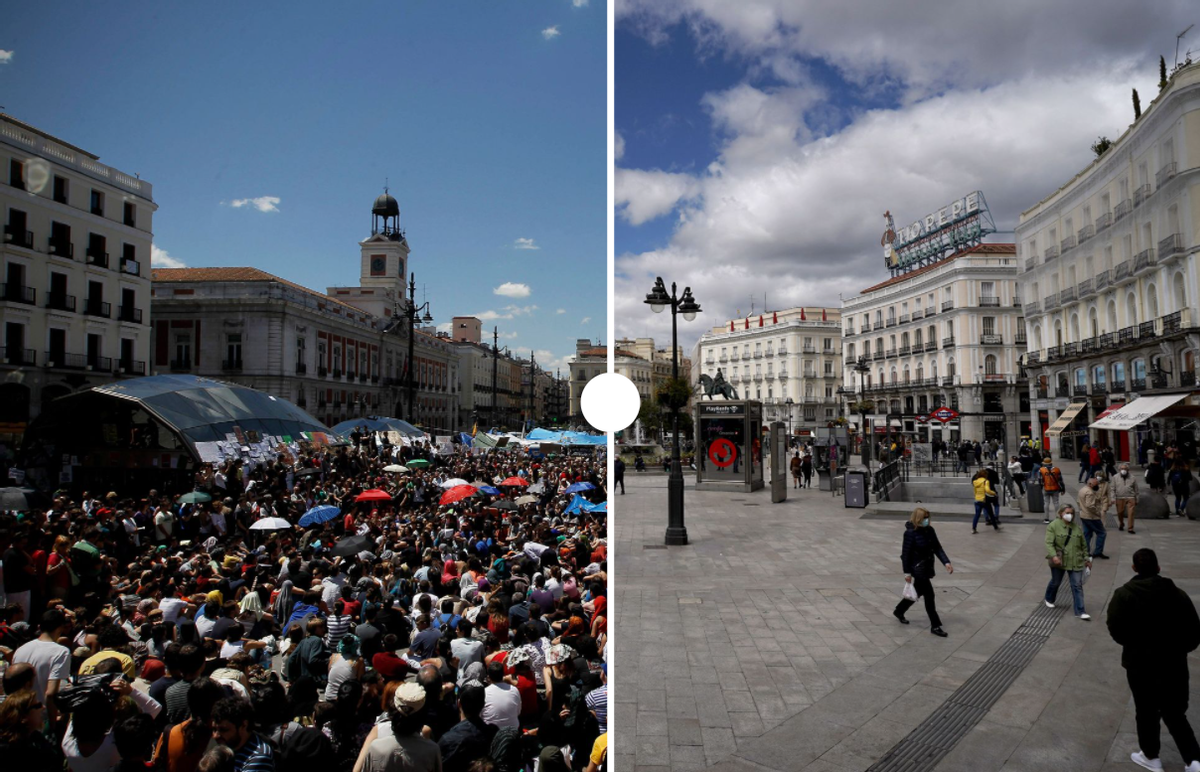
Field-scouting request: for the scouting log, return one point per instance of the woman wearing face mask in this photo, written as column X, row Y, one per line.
column 921, row 546
column 1066, row 551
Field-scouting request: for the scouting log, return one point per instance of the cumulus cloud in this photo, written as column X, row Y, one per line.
column 585, row 320
column 579, row 3
column 799, row 217
column 551, row 32
column 508, row 312
column 262, row 203
column 446, row 327
column 507, row 335
column 160, row 259
column 525, row 244
column 619, row 149
column 643, row 195
column 6, row 56
column 512, row 290
column 560, row 311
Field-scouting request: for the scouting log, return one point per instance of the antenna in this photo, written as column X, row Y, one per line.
column 1177, row 39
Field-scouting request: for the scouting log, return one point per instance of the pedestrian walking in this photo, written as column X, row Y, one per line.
column 1052, row 487
column 983, row 490
column 806, row 466
column 619, row 471
column 1181, row 484
column 1091, row 516
column 1123, row 491
column 1156, row 478
column 921, row 546
column 1157, row 626
column 796, row 465
column 1085, row 463
column 1066, row 552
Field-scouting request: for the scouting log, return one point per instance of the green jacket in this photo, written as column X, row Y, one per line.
column 1067, row 539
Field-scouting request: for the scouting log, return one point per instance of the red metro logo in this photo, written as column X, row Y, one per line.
column 945, row 414
column 722, row 453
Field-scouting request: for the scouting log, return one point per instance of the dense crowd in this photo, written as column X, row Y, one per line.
column 193, row 632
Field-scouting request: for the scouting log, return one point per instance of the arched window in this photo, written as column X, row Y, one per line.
column 906, row 378
column 1112, row 316
column 933, row 369
column 1075, row 327
column 1151, row 302
column 1118, row 375
column 1080, row 377
column 1098, row 376
column 1093, row 324
column 989, row 364
column 893, row 374
column 950, row 367
column 1138, row 369
column 1058, row 332
column 917, row 338
column 1179, row 291
column 920, row 371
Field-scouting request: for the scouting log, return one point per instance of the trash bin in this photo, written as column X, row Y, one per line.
column 858, row 487
column 1033, row 487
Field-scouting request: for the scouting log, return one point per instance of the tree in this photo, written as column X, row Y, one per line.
column 1137, row 105
column 1101, row 146
column 1162, row 73
column 650, row 415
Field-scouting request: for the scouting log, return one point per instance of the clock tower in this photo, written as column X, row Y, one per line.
column 385, row 251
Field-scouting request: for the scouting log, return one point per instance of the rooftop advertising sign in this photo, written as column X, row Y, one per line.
column 956, row 226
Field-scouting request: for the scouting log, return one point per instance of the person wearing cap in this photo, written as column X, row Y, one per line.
column 406, row 750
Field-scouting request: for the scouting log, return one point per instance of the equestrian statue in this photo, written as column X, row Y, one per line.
column 717, row 385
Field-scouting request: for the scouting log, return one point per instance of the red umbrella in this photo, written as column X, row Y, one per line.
column 515, row 481
column 457, row 493
column 374, row 495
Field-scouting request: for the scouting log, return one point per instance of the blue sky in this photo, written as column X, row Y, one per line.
column 760, row 142
column 487, row 119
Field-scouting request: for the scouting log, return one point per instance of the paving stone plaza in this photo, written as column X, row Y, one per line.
column 768, row 642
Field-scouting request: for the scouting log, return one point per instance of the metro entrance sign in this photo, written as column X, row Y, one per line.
column 923, row 418
column 945, row 414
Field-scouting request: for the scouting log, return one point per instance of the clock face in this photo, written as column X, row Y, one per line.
column 378, row 265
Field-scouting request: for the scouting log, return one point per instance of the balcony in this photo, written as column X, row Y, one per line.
column 1126, row 335
column 1029, row 309
column 1053, row 353
column 62, row 248
column 991, row 340
column 1172, row 323
column 375, row 379
column 129, row 314
column 1051, row 301
column 808, row 348
column 1187, row 378
column 1165, row 174
column 1103, row 280
column 97, row 258
column 301, row 368
column 337, row 372
column 1062, row 390
column 94, row 307
column 1143, row 260
column 1051, row 253
column 1171, row 245
column 1030, row 263
column 1118, row 387
column 362, row 378
column 1086, row 232
column 947, row 305
column 722, row 359
column 1080, row 390
column 1042, row 392
column 1089, row 346
column 783, row 375
column 905, row 318
column 782, row 351
column 735, row 356
column 1084, row 288
column 1020, row 340
column 1016, row 301
column 18, row 237
column 60, row 360
column 905, row 351
column 948, row 380
column 322, row 371
column 769, row 352
column 1106, row 340
column 758, row 377
column 1123, row 208
column 1104, row 221
column 131, row 266
column 891, row 353
column 1141, row 194
column 1067, row 244
column 231, row 365
column 891, row 322
column 18, row 294
column 1067, row 296
column 931, row 345
column 1123, row 270
column 131, row 367
column 1070, row 349
column 1146, row 330
column 930, row 312
column 1137, row 384
column 877, row 356
column 989, row 302
column 18, row 356
column 849, row 330
column 1034, row 358
column 758, row 355
column 948, row 342
column 181, row 365
column 60, row 302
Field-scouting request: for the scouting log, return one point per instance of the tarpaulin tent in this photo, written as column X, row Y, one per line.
column 377, row 423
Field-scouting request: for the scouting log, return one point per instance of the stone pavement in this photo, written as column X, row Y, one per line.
column 768, row 643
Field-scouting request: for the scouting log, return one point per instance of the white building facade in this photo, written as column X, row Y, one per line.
column 947, row 334
column 75, row 300
column 794, row 354
column 1110, row 277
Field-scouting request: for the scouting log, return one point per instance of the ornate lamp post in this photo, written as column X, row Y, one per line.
column 658, row 300
column 862, row 368
column 413, row 314
column 789, row 404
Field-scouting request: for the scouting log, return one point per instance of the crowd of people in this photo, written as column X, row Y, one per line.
column 208, row 630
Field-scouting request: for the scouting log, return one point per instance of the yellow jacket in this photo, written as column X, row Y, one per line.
column 983, row 488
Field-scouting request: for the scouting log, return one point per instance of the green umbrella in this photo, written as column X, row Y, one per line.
column 195, row 497
column 418, row 463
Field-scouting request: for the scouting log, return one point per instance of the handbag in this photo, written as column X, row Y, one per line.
column 910, row 592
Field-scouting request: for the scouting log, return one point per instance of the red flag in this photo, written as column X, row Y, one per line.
column 823, row 317
column 802, row 315
column 747, row 323
column 774, row 317
column 760, row 320
column 731, row 325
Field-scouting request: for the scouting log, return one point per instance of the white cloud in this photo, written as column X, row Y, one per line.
column 508, row 312
column 508, row 335
column 585, row 320
column 525, row 244
column 160, row 259
column 579, row 3
column 546, row 359
column 560, row 311
column 262, row 203
column 445, row 327
column 6, row 56
column 799, row 218
column 551, row 32
column 512, row 290
column 619, row 149
column 644, row 195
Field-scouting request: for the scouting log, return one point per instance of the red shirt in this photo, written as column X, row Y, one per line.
column 527, row 688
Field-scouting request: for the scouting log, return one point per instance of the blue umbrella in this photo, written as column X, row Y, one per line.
column 580, row 487
column 601, row 507
column 321, row 514
column 489, row 490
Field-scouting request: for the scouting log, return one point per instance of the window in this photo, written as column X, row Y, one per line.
column 1080, row 377
column 300, row 343
column 233, row 349
column 16, row 173
column 60, row 240
column 183, row 349
column 60, row 189
column 989, row 364
column 130, row 214
column 97, row 251
column 989, row 325
column 829, row 344
column 828, row 367
column 1098, row 374
column 828, row 392
column 97, row 202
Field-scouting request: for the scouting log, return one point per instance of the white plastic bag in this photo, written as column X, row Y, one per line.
column 1087, row 573
column 910, row 592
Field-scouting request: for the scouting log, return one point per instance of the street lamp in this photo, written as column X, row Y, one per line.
column 862, row 368
column 413, row 314
column 658, row 300
column 789, row 404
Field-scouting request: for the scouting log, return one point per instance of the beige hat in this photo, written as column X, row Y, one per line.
column 410, row 698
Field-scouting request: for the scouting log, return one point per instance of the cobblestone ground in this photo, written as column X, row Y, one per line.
column 768, row 641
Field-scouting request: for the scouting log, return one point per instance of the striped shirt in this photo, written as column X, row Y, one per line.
column 597, row 702
column 254, row 756
column 337, row 628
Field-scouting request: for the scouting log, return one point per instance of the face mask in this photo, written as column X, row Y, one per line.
column 1124, row 472
column 925, row 522
column 1068, row 517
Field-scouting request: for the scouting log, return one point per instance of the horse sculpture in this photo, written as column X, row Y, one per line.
column 718, row 385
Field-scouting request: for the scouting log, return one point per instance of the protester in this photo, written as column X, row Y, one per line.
column 921, row 546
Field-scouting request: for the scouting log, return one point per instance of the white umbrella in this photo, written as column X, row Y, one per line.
column 270, row 524
column 454, row 481
column 395, row 468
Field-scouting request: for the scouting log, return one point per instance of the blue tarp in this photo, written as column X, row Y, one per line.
column 579, row 505
column 378, row 424
column 567, row 438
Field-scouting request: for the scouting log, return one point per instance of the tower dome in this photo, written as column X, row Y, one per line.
column 385, row 217
column 386, row 206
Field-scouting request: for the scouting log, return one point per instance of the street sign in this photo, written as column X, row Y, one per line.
column 923, row 418
column 945, row 414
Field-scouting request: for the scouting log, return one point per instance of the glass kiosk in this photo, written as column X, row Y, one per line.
column 729, row 445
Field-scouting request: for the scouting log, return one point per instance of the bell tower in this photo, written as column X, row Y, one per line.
column 385, row 251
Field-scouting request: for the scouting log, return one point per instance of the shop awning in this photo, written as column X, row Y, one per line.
column 1064, row 420
column 1136, row 412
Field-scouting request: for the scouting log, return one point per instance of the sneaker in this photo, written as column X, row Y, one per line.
column 1046, row 521
column 1086, row 617
column 1140, row 759
column 1048, row 604
column 1100, row 555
